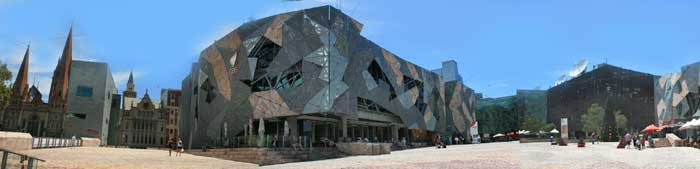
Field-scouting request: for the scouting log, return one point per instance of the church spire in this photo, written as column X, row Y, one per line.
column 21, row 86
column 130, row 92
column 61, row 75
column 131, row 80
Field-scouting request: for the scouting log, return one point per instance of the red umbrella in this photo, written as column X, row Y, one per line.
column 650, row 129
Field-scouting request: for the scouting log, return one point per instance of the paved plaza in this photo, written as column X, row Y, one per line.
column 108, row 158
column 492, row 155
column 515, row 155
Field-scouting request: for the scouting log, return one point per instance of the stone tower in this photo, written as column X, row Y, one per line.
column 58, row 97
column 130, row 92
column 20, row 89
column 61, row 75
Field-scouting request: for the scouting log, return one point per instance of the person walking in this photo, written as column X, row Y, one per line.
column 179, row 150
column 171, row 146
column 628, row 139
column 593, row 137
column 642, row 145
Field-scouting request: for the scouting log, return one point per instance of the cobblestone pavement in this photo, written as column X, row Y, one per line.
column 107, row 158
column 515, row 155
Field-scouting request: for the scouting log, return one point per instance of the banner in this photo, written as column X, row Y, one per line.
column 564, row 128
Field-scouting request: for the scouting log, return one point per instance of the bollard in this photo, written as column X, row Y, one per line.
column 30, row 163
column 4, row 159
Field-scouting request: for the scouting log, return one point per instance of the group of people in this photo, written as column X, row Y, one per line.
column 636, row 141
column 177, row 147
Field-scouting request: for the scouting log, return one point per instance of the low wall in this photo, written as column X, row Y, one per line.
column 15, row 141
column 534, row 140
column 674, row 140
column 364, row 148
column 269, row 156
column 90, row 142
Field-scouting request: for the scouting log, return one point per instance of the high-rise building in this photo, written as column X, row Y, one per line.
column 170, row 106
column 449, row 71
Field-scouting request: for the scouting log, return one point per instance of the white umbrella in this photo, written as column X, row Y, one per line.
column 554, row 131
column 695, row 123
column 689, row 125
column 498, row 135
column 286, row 129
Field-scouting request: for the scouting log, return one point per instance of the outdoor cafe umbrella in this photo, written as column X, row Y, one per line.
column 498, row 135
column 554, row 131
column 650, row 129
column 286, row 129
column 691, row 124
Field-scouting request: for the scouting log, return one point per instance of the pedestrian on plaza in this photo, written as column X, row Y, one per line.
column 642, row 143
column 551, row 139
column 593, row 137
column 635, row 141
column 628, row 139
column 171, row 146
column 651, row 141
column 179, row 150
column 637, row 144
column 456, row 140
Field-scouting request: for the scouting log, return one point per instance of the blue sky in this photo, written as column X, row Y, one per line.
column 500, row 46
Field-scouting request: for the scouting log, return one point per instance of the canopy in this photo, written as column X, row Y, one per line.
column 691, row 124
column 554, row 131
column 688, row 125
column 498, row 135
column 650, row 129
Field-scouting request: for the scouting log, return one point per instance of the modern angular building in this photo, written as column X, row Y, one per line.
column 677, row 95
column 614, row 88
column 312, row 70
column 90, row 92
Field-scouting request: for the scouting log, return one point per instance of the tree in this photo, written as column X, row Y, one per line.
column 620, row 120
column 5, row 75
column 593, row 119
column 531, row 124
column 547, row 127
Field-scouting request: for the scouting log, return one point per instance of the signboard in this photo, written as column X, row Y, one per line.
column 474, row 131
column 564, row 128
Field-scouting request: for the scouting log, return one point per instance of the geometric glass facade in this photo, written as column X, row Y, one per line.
column 313, row 71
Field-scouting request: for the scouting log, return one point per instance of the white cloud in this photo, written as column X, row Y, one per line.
column 120, row 78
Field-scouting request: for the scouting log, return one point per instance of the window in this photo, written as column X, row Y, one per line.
column 265, row 50
column 84, row 91
column 79, row 115
column 378, row 75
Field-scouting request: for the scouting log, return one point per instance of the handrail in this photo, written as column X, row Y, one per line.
column 30, row 159
column 20, row 154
